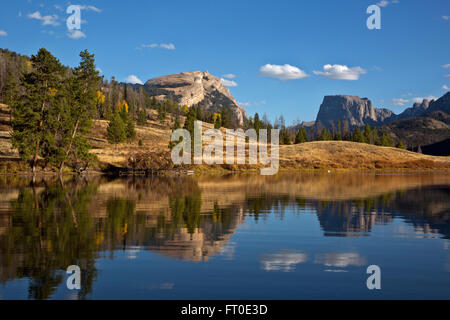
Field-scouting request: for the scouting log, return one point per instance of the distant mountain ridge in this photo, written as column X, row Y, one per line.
column 356, row 111
column 425, row 126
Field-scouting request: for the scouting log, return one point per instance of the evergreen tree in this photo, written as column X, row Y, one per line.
column 375, row 136
column 82, row 102
column 142, row 117
column 11, row 90
column 161, row 112
column 301, row 136
column 130, row 131
column 125, row 93
column 34, row 119
column 190, row 119
column 177, row 124
column 200, row 116
column 400, row 145
column 154, row 103
column 358, row 136
column 386, row 141
column 325, row 135
column 11, row 93
column 226, row 117
column 285, row 137
column 368, row 134
column 116, row 131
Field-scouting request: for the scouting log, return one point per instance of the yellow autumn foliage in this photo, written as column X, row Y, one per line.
column 100, row 99
column 216, row 116
column 122, row 106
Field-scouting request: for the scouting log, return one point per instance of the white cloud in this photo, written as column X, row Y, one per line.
column 133, row 79
column 76, row 34
column 284, row 261
column 3, row 33
column 445, row 87
column 46, row 20
column 255, row 103
column 229, row 76
column 400, row 102
column 446, row 66
column 283, row 72
column 383, row 3
column 167, row 46
column 420, row 99
column 340, row 260
column 258, row 103
column 90, row 8
column 244, row 104
column 229, row 83
column 446, row 17
column 447, row 76
column 340, row 72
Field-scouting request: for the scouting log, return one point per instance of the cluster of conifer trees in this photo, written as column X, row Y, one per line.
column 54, row 111
column 369, row 135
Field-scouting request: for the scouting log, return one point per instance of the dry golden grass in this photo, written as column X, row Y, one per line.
column 155, row 137
column 350, row 155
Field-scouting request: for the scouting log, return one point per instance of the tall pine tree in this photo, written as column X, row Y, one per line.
column 82, row 91
column 34, row 119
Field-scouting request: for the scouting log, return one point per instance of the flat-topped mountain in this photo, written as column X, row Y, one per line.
column 191, row 88
column 354, row 111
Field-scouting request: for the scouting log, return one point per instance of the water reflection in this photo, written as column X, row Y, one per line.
column 283, row 261
column 50, row 224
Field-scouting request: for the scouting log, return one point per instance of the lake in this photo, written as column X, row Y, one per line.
column 291, row 236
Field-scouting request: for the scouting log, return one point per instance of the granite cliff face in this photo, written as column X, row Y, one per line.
column 354, row 111
column 191, row 88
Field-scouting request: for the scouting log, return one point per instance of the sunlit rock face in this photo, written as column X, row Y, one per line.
column 352, row 110
column 191, row 88
column 345, row 108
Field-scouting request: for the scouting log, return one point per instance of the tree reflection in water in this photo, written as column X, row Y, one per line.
column 49, row 225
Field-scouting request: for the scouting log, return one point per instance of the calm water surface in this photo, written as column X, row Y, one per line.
column 305, row 236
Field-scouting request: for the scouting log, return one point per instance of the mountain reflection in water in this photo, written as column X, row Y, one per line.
column 50, row 224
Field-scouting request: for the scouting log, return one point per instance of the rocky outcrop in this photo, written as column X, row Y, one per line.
column 383, row 114
column 417, row 110
column 354, row 111
column 191, row 88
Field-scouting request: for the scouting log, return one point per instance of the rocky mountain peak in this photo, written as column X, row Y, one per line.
column 354, row 110
column 191, row 88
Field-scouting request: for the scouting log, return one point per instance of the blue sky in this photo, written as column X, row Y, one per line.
column 284, row 55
